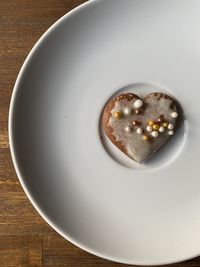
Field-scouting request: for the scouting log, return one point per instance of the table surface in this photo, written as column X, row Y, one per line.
column 25, row 238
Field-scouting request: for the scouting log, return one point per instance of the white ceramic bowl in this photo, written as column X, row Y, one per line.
column 80, row 184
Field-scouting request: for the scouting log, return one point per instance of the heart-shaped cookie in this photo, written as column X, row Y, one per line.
column 139, row 127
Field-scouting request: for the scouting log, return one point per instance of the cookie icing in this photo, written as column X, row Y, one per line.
column 140, row 147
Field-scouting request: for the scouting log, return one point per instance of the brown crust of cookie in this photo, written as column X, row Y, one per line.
column 128, row 96
column 107, row 114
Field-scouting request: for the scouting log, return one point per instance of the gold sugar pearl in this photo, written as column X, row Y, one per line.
column 165, row 124
column 151, row 123
column 145, row 137
column 117, row 115
column 156, row 127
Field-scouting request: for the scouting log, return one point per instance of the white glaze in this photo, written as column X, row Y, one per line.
column 135, row 146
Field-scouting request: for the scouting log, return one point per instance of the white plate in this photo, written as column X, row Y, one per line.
column 83, row 187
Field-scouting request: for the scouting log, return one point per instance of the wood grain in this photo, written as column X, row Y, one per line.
column 25, row 239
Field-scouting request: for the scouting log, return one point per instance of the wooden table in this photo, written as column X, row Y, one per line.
column 25, row 238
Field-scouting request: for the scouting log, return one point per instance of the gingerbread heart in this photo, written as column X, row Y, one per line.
column 140, row 127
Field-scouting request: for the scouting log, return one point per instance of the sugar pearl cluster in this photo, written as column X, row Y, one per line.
column 158, row 127
column 126, row 111
column 152, row 129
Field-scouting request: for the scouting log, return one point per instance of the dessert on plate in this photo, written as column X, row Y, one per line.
column 140, row 127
